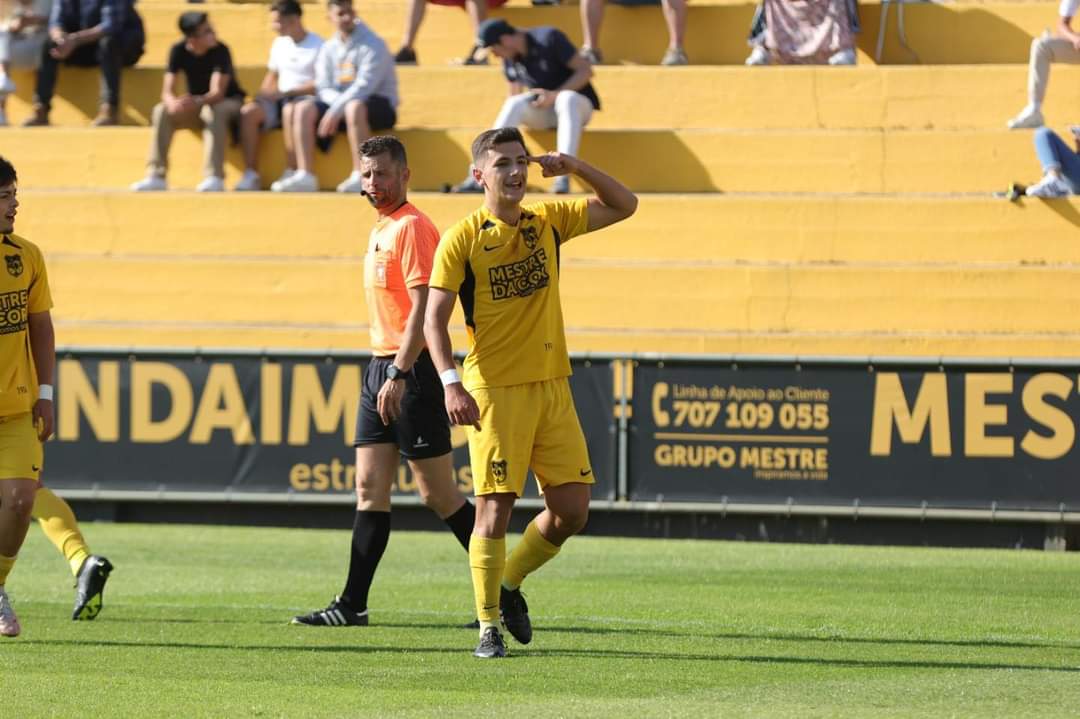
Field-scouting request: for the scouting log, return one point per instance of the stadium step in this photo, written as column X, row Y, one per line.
column 646, row 160
column 996, row 31
column 941, row 97
column 792, row 229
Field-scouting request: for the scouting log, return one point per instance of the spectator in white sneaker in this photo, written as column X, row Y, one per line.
column 592, row 15
column 212, row 103
column 290, row 76
column 356, row 92
column 549, row 87
column 23, row 34
column 1060, row 164
column 804, row 32
column 1065, row 47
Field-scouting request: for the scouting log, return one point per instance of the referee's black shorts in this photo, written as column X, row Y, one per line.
column 423, row 429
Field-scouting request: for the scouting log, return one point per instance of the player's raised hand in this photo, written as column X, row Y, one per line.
column 43, row 418
column 461, row 407
column 554, row 164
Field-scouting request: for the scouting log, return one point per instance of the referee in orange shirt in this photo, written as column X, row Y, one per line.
column 402, row 410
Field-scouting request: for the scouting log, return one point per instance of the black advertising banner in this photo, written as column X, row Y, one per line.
column 246, row 424
column 956, row 437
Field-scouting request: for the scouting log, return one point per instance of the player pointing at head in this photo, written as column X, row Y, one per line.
column 503, row 262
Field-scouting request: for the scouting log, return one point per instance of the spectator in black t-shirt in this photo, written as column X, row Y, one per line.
column 549, row 86
column 212, row 103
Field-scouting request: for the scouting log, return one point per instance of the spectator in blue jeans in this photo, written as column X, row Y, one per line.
column 1060, row 164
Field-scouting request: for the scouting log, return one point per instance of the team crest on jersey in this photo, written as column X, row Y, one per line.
column 14, row 264
column 530, row 236
column 498, row 471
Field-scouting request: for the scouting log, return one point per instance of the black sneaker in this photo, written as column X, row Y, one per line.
column 90, row 587
column 514, row 613
column 335, row 615
column 405, row 56
column 491, row 645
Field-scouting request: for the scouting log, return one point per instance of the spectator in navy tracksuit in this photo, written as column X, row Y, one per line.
column 89, row 33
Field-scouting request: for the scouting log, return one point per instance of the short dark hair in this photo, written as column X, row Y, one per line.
column 7, row 173
column 490, row 138
column 190, row 22
column 380, row 144
column 288, row 8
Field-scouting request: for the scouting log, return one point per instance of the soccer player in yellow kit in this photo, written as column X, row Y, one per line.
column 27, row 360
column 503, row 262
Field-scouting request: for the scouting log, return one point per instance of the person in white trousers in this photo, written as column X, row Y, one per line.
column 1062, row 47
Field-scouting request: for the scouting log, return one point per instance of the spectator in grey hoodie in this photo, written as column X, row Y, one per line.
column 356, row 93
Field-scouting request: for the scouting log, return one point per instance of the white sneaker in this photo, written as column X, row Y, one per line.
column 211, row 184
column 150, row 183
column 1029, row 118
column 299, row 181
column 351, row 183
column 249, row 182
column 9, row 623
column 843, row 57
column 275, row 186
column 1050, row 186
column 758, row 56
column 7, row 85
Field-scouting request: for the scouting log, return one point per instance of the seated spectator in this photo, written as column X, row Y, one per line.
column 804, row 32
column 23, row 33
column 212, row 103
column 356, row 93
column 88, row 33
column 290, row 76
column 1060, row 164
column 592, row 14
column 1065, row 47
column 549, row 87
column 477, row 10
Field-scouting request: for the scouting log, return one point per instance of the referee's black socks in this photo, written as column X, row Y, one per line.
column 371, row 532
column 461, row 523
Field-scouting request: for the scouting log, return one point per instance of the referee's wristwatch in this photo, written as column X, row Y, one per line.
column 394, row 373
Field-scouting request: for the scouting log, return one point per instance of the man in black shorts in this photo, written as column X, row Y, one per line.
column 402, row 410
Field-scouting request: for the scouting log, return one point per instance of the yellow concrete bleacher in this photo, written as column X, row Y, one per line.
column 784, row 210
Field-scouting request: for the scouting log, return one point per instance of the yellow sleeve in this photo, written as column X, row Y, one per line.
column 451, row 255
column 569, row 217
column 40, row 296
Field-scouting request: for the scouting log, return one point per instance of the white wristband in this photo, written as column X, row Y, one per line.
column 45, row 391
column 449, row 376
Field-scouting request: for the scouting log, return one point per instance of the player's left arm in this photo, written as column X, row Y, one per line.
column 412, row 343
column 614, row 202
column 43, row 349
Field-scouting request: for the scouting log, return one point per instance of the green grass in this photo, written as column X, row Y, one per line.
column 195, row 624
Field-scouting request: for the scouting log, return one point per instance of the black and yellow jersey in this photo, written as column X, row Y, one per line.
column 507, row 277
column 24, row 289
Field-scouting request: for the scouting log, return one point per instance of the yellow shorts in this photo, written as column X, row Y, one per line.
column 21, row 453
column 529, row 426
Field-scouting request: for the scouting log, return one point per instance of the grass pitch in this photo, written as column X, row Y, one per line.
column 195, row 624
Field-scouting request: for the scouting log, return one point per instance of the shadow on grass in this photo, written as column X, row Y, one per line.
column 569, row 653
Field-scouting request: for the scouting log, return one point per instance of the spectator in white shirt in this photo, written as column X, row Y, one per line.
column 1064, row 47
column 23, row 33
column 356, row 92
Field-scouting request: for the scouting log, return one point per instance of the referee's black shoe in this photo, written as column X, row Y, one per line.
column 90, row 587
column 335, row 615
column 515, row 614
column 491, row 645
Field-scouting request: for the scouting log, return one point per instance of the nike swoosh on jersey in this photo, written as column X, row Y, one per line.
column 585, row 472
column 34, row 467
column 493, row 247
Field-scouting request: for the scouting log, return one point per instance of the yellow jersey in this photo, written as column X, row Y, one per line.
column 507, row 277
column 24, row 289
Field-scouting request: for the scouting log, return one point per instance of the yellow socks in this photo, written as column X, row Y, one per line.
column 531, row 553
column 6, row 563
column 487, row 557
column 59, row 524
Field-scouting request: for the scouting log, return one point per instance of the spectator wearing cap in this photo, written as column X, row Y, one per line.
column 477, row 11
column 356, row 93
column 290, row 77
column 592, row 15
column 89, row 33
column 549, row 86
column 212, row 103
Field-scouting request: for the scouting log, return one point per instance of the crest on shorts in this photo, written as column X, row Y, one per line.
column 530, row 236
column 498, row 471
column 14, row 264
